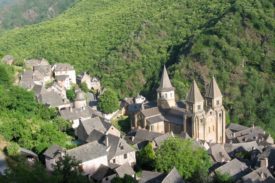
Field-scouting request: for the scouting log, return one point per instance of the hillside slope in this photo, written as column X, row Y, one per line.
column 17, row 13
column 126, row 43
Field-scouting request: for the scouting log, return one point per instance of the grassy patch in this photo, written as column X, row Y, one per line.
column 123, row 124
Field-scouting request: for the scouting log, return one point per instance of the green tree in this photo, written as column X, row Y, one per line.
column 222, row 178
column 84, row 87
column 71, row 94
column 67, row 170
column 184, row 155
column 108, row 102
column 13, row 149
column 146, row 157
column 125, row 179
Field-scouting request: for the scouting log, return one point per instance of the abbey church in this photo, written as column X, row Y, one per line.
column 200, row 117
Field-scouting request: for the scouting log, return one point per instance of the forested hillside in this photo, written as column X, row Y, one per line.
column 126, row 43
column 17, row 13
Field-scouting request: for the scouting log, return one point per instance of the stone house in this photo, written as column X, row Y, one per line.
column 91, row 156
column 65, row 69
column 119, row 151
column 63, row 81
column 202, row 118
column 93, row 83
column 30, row 64
column 95, row 129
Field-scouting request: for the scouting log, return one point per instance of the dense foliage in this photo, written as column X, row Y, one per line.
column 66, row 171
column 146, row 157
column 184, row 155
column 17, row 13
column 24, row 121
column 126, row 43
column 108, row 102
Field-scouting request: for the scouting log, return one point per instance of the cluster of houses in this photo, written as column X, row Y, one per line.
column 246, row 154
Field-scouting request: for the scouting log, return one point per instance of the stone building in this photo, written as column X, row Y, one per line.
column 201, row 117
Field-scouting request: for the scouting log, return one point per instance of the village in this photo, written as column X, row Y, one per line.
column 246, row 154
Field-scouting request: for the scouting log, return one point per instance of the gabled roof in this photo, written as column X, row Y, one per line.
column 194, row 94
column 52, row 99
column 125, row 169
column 118, row 146
column 88, row 151
column 52, row 151
column 151, row 177
column 234, row 168
column 173, row 177
column 236, row 127
column 160, row 139
column 73, row 114
column 218, row 153
column 260, row 175
column 154, row 111
column 145, row 135
column 213, row 90
column 165, row 83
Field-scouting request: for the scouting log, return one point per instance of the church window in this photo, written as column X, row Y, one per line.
column 218, row 102
column 201, row 120
column 209, row 129
column 210, row 113
column 165, row 95
column 213, row 128
column 171, row 95
column 220, row 115
column 114, row 160
column 199, row 107
column 125, row 156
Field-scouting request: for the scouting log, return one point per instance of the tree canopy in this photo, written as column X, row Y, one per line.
column 187, row 157
column 108, row 102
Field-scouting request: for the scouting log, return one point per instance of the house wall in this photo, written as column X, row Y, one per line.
column 157, row 127
column 112, row 130
column 90, row 167
column 120, row 160
column 50, row 163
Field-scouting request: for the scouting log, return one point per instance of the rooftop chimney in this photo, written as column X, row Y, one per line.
column 106, row 140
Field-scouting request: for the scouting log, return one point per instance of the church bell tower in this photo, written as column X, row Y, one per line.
column 165, row 92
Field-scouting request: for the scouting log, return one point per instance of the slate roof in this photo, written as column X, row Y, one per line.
column 151, row 177
column 38, row 89
column 246, row 146
column 213, row 90
column 125, row 169
column 155, row 119
column 73, row 114
column 36, row 62
column 118, row 146
column 27, row 152
column 63, row 67
column 52, row 151
column 261, row 174
column 144, row 135
column 154, row 111
column 52, row 99
column 92, row 128
column 45, row 70
column 194, row 94
column 234, row 168
column 218, row 153
column 102, row 171
column 173, row 177
column 160, row 139
column 268, row 153
column 88, row 151
column 236, row 127
column 165, row 83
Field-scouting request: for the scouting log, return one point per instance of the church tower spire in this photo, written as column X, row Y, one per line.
column 213, row 94
column 194, row 99
column 166, row 92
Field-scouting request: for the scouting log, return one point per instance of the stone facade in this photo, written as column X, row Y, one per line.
column 202, row 118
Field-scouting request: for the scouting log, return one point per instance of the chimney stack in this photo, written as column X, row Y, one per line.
column 107, row 141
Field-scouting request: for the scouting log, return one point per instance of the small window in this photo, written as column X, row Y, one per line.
column 220, row 115
column 171, row 95
column 210, row 113
column 114, row 160
column 218, row 102
column 165, row 95
column 201, row 120
column 199, row 107
column 125, row 156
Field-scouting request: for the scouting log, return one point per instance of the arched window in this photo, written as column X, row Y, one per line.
column 165, row 95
